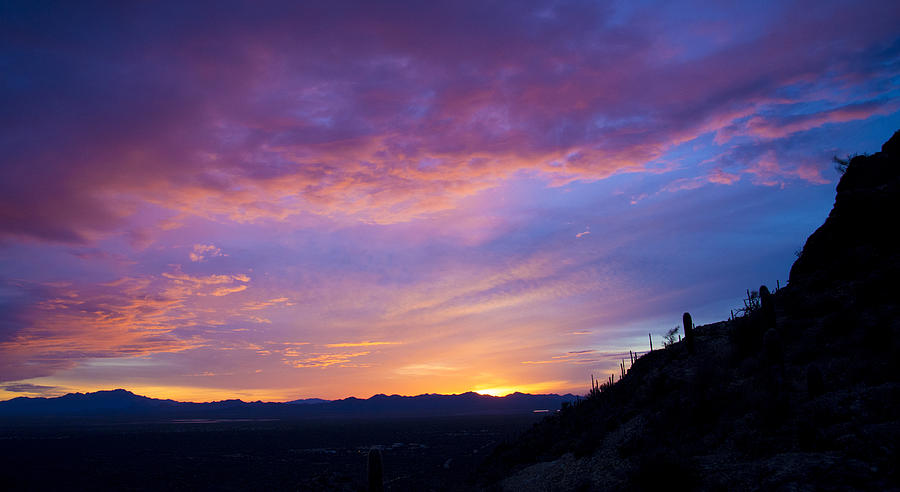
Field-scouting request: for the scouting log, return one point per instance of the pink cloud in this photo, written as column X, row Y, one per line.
column 269, row 127
column 768, row 171
column 202, row 252
column 768, row 127
column 326, row 360
column 719, row 176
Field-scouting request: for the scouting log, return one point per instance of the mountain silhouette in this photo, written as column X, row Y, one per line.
column 799, row 391
column 124, row 403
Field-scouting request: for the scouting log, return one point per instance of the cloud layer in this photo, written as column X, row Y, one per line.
column 431, row 192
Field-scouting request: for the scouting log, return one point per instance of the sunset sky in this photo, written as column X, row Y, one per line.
column 282, row 200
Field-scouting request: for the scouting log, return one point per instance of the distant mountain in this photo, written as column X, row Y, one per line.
column 308, row 401
column 114, row 401
column 122, row 403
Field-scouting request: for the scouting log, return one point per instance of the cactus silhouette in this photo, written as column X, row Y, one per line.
column 767, row 307
column 376, row 471
column 688, row 331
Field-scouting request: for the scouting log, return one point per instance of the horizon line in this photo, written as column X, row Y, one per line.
column 293, row 400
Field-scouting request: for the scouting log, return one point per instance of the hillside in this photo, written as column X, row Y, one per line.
column 800, row 392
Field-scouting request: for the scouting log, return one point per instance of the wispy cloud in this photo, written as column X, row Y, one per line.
column 224, row 291
column 359, row 344
column 327, row 360
column 28, row 389
column 426, row 369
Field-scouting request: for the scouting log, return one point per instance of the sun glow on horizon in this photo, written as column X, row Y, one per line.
column 543, row 387
column 502, row 391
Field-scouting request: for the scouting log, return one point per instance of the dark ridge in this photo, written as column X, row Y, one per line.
column 122, row 403
column 799, row 392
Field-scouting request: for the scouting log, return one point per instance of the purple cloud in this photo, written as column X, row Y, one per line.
column 341, row 108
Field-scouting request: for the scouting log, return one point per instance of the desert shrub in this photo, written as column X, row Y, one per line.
column 671, row 336
column 751, row 304
column 840, row 165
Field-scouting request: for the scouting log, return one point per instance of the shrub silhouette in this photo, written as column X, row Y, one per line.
column 670, row 337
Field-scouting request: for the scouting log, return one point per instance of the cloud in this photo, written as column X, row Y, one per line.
column 224, row 291
column 202, row 252
column 327, row 360
column 481, row 289
column 419, row 115
column 181, row 278
column 33, row 389
column 582, row 234
column 425, row 369
column 257, row 305
column 582, row 357
column 60, row 325
column 780, row 126
column 359, row 344
column 768, row 171
column 719, row 176
column 70, row 324
column 209, row 285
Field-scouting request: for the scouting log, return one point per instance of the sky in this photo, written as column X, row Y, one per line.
column 282, row 200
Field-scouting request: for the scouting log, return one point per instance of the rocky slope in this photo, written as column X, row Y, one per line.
column 804, row 395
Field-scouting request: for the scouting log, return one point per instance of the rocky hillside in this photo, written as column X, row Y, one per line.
column 800, row 392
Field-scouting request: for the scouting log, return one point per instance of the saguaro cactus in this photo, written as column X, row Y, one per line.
column 376, row 471
column 688, row 331
column 767, row 307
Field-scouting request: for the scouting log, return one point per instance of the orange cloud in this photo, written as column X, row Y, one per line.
column 203, row 251
column 224, row 291
column 426, row 369
column 326, row 360
column 359, row 344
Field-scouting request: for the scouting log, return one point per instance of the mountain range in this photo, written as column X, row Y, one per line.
column 123, row 403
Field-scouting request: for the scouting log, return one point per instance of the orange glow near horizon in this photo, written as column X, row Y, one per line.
column 498, row 391
column 544, row 387
column 200, row 394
